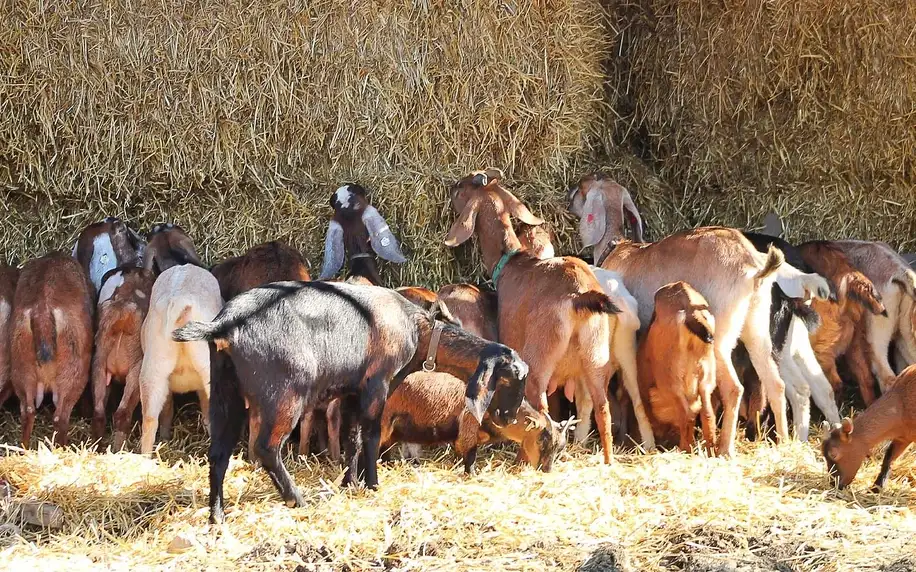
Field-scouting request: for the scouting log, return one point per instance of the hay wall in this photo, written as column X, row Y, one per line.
column 807, row 106
column 237, row 119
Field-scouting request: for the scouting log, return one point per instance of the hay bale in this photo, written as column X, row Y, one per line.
column 806, row 106
column 157, row 110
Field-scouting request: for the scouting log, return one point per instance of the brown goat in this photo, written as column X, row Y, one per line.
column 677, row 366
column 422, row 297
column 169, row 245
column 856, row 295
column 428, row 408
column 52, row 339
column 892, row 416
column 475, row 308
column 9, row 275
column 554, row 311
column 105, row 245
column 123, row 304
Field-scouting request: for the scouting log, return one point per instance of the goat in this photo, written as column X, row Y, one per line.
column 123, row 304
column 9, row 276
column 180, row 294
column 723, row 266
column 624, row 326
column 428, row 409
column 355, row 225
column 677, row 366
column 792, row 322
column 855, row 295
column 896, row 283
column 297, row 344
column 473, row 307
column 169, row 245
column 554, row 311
column 263, row 264
column 892, row 416
column 51, row 339
column 105, row 245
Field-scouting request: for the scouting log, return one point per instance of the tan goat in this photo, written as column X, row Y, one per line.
column 554, row 312
column 677, row 366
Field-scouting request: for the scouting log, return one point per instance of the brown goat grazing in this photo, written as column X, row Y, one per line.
column 855, row 295
column 473, row 307
column 721, row 264
column 51, row 339
column 677, row 366
column 554, row 311
column 105, row 245
column 9, row 275
column 354, row 227
column 123, row 304
column 428, row 408
column 273, row 261
column 169, row 245
column 892, row 416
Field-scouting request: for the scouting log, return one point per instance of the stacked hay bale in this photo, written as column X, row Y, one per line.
column 744, row 105
column 237, row 119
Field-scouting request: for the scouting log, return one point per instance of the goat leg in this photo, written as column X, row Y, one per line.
column 894, row 450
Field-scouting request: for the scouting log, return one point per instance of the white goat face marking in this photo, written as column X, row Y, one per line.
column 103, row 259
column 344, row 196
column 108, row 289
column 59, row 320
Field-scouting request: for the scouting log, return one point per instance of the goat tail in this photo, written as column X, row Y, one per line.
column 195, row 331
column 594, row 302
column 907, row 279
column 775, row 258
column 863, row 290
column 44, row 334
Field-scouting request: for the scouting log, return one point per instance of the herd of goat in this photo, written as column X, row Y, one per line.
column 711, row 322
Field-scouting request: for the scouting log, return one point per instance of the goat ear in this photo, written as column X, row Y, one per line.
column 75, row 246
column 333, row 251
column 846, row 428
column 383, row 240
column 635, row 219
column 699, row 326
column 517, row 209
column 594, row 218
column 441, row 312
column 493, row 174
column 480, row 390
column 463, row 227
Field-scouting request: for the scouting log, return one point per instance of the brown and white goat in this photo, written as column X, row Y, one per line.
column 896, row 283
column 51, row 339
column 354, row 227
column 554, row 311
column 106, row 245
column 9, row 275
column 180, row 295
column 677, row 366
column 891, row 417
column 169, row 245
column 122, row 307
column 428, row 408
column 722, row 265
column 856, row 295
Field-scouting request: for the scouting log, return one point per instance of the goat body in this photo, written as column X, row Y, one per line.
column 475, row 308
column 169, row 245
column 51, row 339
column 9, row 276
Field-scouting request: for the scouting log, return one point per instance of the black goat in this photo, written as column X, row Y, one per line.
column 297, row 344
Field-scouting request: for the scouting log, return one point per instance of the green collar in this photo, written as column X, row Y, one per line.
column 497, row 270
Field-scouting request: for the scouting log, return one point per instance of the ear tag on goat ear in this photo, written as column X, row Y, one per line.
column 386, row 241
column 590, row 219
column 104, row 258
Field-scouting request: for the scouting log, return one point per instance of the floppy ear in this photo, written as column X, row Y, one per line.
column 846, row 429
column 493, row 174
column 517, row 209
column 383, row 240
column 463, row 227
column 333, row 251
column 75, row 246
column 630, row 209
column 698, row 325
column 480, row 390
column 594, row 218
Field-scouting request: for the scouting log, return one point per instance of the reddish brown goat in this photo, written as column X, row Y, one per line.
column 123, row 304
column 892, row 417
column 475, row 308
column 428, row 408
column 9, row 275
column 169, row 245
column 52, row 339
column 553, row 311
column 677, row 366
column 856, row 295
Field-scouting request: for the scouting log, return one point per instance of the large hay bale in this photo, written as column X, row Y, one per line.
column 237, row 118
column 808, row 106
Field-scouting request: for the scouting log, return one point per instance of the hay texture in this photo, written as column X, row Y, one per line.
column 238, row 119
column 808, row 107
